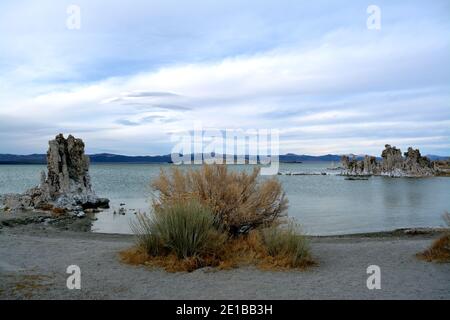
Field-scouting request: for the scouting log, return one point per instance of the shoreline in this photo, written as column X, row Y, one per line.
column 39, row 220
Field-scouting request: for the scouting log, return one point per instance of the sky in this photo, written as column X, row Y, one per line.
column 136, row 72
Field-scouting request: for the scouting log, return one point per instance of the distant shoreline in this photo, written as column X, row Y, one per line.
column 12, row 159
column 137, row 162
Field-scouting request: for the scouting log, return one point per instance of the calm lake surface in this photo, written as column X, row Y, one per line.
column 323, row 205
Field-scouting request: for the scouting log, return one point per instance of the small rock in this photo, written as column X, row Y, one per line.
column 81, row 214
column 416, row 231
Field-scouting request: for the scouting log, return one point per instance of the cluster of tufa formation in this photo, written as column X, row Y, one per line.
column 67, row 184
column 352, row 166
column 393, row 164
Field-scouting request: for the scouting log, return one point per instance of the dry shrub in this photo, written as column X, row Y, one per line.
column 170, row 262
column 146, row 239
column 238, row 201
column 135, row 255
column 213, row 218
column 287, row 246
column 440, row 249
column 185, row 228
column 244, row 250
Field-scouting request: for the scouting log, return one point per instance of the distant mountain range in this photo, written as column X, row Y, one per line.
column 117, row 158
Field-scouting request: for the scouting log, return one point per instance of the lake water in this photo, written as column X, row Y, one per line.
column 323, row 205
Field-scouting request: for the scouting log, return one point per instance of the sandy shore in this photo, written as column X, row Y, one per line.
column 34, row 258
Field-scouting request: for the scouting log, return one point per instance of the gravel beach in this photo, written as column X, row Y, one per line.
column 33, row 262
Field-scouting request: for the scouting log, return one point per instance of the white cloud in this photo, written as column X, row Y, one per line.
column 346, row 88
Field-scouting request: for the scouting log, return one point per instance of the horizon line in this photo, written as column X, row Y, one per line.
column 168, row 154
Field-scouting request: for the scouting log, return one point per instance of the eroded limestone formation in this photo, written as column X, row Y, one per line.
column 68, row 167
column 392, row 160
column 442, row 167
column 416, row 164
column 66, row 185
column 352, row 166
column 392, row 164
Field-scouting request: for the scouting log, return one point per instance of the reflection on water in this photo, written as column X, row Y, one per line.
column 322, row 204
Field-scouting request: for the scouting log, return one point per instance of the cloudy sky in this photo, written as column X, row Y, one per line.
column 137, row 71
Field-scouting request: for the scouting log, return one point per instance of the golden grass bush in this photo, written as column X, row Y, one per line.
column 287, row 245
column 146, row 236
column 184, row 228
column 215, row 218
column 238, row 200
column 234, row 252
column 245, row 250
column 440, row 249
